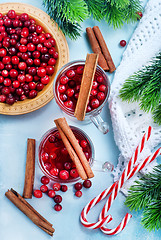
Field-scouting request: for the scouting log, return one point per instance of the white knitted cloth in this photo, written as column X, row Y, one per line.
column 129, row 122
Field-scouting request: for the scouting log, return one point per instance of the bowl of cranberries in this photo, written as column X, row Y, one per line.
column 67, row 86
column 53, row 157
column 29, row 58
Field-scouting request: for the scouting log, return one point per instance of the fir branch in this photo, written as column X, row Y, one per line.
column 131, row 11
column 152, row 216
column 146, row 194
column 96, row 8
column 157, row 114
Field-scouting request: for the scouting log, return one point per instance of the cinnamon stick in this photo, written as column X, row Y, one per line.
column 29, row 211
column 104, row 48
column 62, row 124
column 30, row 169
column 96, row 48
column 72, row 153
column 86, row 85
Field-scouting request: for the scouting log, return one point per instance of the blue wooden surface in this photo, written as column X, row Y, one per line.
column 14, row 131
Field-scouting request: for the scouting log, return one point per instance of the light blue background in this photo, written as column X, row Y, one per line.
column 14, row 131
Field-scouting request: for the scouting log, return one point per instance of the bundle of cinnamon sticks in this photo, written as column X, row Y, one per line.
column 74, row 149
column 99, row 46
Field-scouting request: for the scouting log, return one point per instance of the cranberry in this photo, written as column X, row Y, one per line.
column 1, row 66
column 24, row 32
column 74, row 173
column 10, row 100
column 11, row 14
column 31, row 47
column 48, row 43
column 63, row 97
column 32, row 94
column 8, row 22
column 80, row 70
column 78, row 193
column 57, row 199
column 64, row 174
column 47, row 165
column 67, row 165
column 52, row 139
column 39, row 86
column 39, row 29
column 102, row 88
column 7, row 82
column 24, row 17
column 94, row 85
column 83, row 143
column 32, row 71
column 53, row 156
column 19, row 91
column 58, row 207
column 36, row 54
column 6, row 60
column 87, row 183
column 29, row 78
column 122, row 43
column 57, row 135
column 55, row 55
column 78, row 186
column 64, row 151
column 44, row 188
column 68, row 104
column 70, row 73
column 52, row 61
column 61, row 88
column 1, row 79
column 45, row 180
column 35, row 40
column 64, row 188
column 49, row 70
column 45, row 80
column 140, row 15
column 13, row 73
column 29, row 62
column 5, row 73
column 13, row 42
column 64, row 80
column 44, row 156
column 37, row 193
column 100, row 79
column 56, row 186
column 70, row 92
column 23, row 97
column 16, row 84
column 22, row 48
column 94, row 103
column 101, row 96
column 3, row 52
column 51, row 193
column 54, row 171
column 45, row 57
column 71, row 83
column 15, row 60
column 5, row 90
column 22, row 65
column 24, row 56
column 2, row 98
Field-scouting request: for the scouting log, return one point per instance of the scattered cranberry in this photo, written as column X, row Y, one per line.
column 51, row 193
column 37, row 193
column 140, row 15
column 64, row 174
column 45, row 180
column 78, row 193
column 122, row 43
column 87, row 183
column 64, row 188
column 58, row 207
column 56, row 186
column 44, row 188
column 57, row 199
column 78, row 186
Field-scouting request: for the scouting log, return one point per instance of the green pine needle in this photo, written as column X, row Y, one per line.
column 146, row 194
column 145, row 86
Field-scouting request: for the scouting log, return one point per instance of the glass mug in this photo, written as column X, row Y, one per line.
column 53, row 156
column 70, row 83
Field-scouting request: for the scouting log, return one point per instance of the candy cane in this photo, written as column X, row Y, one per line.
column 136, row 169
column 113, row 195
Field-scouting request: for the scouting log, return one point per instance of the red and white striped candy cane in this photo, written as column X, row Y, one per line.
column 136, row 169
column 113, row 191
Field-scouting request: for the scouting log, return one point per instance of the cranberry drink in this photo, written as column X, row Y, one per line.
column 68, row 84
column 54, row 159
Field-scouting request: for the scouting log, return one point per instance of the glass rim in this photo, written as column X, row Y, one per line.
column 56, row 179
column 68, row 111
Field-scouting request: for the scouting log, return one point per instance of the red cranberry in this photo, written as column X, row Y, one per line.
column 15, row 60
column 94, row 85
column 36, row 54
column 68, row 104
column 83, row 143
column 71, row 83
column 1, row 66
column 45, row 180
column 52, row 61
column 67, row 165
column 63, row 97
column 45, row 80
column 51, row 193
column 32, row 85
column 19, row 91
column 54, row 171
column 24, row 56
column 47, row 165
column 35, row 40
column 64, row 174
column 70, row 92
column 53, row 156
column 1, row 79
column 11, row 14
column 57, row 199
column 32, row 94
column 16, row 84
column 102, row 88
column 5, row 90
column 78, row 193
column 23, row 97
column 7, row 82
column 49, row 70
column 94, row 103
column 22, row 65
column 44, row 188
column 3, row 52
column 2, row 98
column 64, row 80
column 13, row 73
column 39, row 29
column 32, row 71
column 87, row 183
column 55, row 55
column 74, row 173
column 39, row 86
column 31, row 47
column 101, row 96
column 140, row 15
column 78, row 186
column 27, row 23
column 80, row 70
column 41, row 72
column 64, row 151
column 24, row 17
column 13, row 42
column 122, row 43
column 100, row 79
column 5, row 73
column 45, row 57
column 8, row 22
column 58, row 207
column 70, row 73
column 6, row 60
column 44, row 156
column 56, row 186
column 37, row 193
column 24, row 32
column 64, row 188
column 61, row 88
column 29, row 62
column 29, row 78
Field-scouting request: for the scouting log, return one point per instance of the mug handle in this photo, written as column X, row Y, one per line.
column 100, row 124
